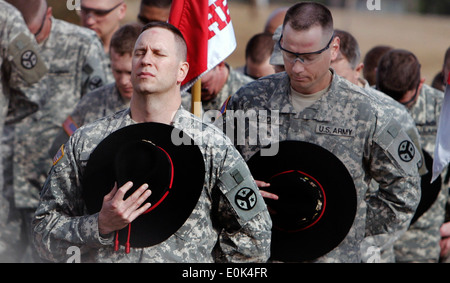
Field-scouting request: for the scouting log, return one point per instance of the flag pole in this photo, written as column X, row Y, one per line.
column 196, row 102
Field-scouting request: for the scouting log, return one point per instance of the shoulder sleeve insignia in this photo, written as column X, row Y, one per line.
column 58, row 155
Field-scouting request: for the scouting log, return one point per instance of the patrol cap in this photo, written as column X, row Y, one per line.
column 277, row 57
column 317, row 199
column 144, row 153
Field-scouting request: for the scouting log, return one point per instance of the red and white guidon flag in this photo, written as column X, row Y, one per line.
column 442, row 149
column 206, row 26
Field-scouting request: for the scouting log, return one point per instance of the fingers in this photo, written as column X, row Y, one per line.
column 261, row 184
column 120, row 194
column 265, row 194
column 116, row 212
column 268, row 195
column 445, row 230
column 134, row 201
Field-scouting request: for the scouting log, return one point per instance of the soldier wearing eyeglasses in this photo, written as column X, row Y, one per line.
column 103, row 17
column 310, row 97
column 76, row 66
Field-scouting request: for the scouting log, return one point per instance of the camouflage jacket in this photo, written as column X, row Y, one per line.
column 234, row 81
column 371, row 151
column 75, row 57
column 61, row 220
column 21, row 68
column 97, row 104
column 421, row 242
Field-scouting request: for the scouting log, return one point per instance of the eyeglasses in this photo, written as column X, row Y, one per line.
column 98, row 12
column 304, row 58
column 42, row 24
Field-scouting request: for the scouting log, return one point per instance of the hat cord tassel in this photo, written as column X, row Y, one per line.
column 127, row 244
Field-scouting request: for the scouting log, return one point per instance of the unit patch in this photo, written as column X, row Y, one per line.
column 28, row 59
column 245, row 199
column 406, row 151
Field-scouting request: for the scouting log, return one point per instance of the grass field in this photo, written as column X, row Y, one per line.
column 427, row 36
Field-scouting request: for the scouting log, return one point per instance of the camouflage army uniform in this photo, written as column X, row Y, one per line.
column 421, row 242
column 370, row 151
column 241, row 236
column 99, row 103
column 21, row 68
column 234, row 81
column 76, row 67
column 402, row 115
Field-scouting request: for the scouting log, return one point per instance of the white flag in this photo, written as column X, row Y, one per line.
column 206, row 25
column 442, row 150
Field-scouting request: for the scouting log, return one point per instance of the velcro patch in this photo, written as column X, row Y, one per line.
column 26, row 59
column 242, row 194
column 69, row 126
column 395, row 141
column 58, row 155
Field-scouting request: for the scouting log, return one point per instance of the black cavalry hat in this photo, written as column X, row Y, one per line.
column 145, row 153
column 429, row 191
column 317, row 199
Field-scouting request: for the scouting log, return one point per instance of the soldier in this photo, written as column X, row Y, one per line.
column 440, row 80
column 76, row 67
column 110, row 98
column 21, row 67
column 347, row 64
column 216, row 227
column 154, row 10
column 275, row 19
column 103, row 17
column 398, row 75
column 257, row 56
column 219, row 83
column 310, row 98
column 371, row 62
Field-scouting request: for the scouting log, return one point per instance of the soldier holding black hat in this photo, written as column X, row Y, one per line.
column 315, row 112
column 210, row 210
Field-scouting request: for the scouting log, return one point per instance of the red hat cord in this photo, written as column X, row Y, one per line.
column 152, row 207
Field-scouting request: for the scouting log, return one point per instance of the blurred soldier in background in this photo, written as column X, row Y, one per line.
column 76, row 66
column 399, row 76
column 21, row 68
column 154, row 10
column 110, row 98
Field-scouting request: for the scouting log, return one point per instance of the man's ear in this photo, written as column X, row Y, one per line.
column 182, row 71
column 335, row 47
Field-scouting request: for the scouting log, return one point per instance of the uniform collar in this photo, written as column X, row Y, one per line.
column 321, row 110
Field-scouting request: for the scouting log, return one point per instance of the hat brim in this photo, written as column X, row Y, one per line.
column 339, row 190
column 430, row 191
column 188, row 178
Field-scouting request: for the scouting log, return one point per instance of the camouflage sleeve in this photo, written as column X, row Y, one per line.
column 60, row 220
column 243, row 214
column 393, row 164
column 22, row 65
column 95, row 69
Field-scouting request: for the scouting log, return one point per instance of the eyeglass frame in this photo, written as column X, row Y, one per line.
column 99, row 12
column 297, row 55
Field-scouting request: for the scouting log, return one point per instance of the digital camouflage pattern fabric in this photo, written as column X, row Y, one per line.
column 97, row 104
column 421, row 242
column 217, row 230
column 348, row 122
column 76, row 66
